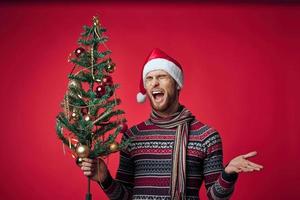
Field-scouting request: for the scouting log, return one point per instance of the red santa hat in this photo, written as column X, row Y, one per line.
column 159, row 60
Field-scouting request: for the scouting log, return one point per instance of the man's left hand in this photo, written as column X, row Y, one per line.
column 242, row 164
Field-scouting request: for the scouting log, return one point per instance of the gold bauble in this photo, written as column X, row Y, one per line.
column 74, row 95
column 75, row 116
column 87, row 118
column 114, row 147
column 82, row 151
column 75, row 84
column 95, row 20
column 110, row 68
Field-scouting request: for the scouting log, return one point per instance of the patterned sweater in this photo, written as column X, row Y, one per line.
column 145, row 167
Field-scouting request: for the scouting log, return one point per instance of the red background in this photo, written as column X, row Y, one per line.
column 241, row 64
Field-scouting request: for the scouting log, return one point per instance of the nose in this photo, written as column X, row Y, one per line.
column 155, row 82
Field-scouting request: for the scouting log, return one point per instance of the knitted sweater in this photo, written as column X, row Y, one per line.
column 145, row 166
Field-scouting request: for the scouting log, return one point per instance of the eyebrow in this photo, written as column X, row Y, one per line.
column 156, row 75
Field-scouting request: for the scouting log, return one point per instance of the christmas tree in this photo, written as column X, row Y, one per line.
column 90, row 122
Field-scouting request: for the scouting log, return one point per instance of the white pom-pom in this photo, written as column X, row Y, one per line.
column 141, row 98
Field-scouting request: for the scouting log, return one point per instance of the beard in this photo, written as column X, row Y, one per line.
column 171, row 100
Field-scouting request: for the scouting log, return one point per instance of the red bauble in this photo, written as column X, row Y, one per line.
column 84, row 110
column 79, row 51
column 124, row 127
column 100, row 90
column 107, row 80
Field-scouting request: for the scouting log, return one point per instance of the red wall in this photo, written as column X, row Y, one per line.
column 241, row 64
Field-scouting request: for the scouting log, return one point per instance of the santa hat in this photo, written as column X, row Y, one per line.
column 159, row 60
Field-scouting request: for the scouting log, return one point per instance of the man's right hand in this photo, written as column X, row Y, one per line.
column 95, row 169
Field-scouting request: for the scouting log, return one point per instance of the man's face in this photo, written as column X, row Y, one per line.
column 161, row 90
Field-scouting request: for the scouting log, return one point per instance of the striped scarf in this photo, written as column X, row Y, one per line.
column 179, row 120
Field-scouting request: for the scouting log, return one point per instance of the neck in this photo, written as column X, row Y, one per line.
column 169, row 111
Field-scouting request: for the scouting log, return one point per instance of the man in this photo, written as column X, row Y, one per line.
column 172, row 152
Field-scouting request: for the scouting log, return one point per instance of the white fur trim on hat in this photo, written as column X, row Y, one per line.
column 141, row 98
column 166, row 65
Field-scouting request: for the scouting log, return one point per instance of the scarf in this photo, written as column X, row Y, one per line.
column 179, row 120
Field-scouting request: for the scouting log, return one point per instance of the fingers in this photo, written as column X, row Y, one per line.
column 249, row 169
column 88, row 160
column 257, row 167
column 243, row 166
column 249, row 155
column 245, row 169
column 249, row 166
column 88, row 169
column 79, row 161
column 88, row 166
column 242, row 169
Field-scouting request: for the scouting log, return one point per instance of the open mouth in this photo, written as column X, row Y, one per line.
column 158, row 95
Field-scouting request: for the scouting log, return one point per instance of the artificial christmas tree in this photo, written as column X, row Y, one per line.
column 90, row 122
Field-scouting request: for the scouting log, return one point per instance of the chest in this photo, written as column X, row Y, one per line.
column 152, row 154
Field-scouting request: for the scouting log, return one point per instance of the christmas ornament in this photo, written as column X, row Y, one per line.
column 110, row 68
column 79, row 160
column 95, row 21
column 87, row 118
column 100, row 91
column 113, row 147
column 107, row 80
column 74, row 84
column 82, row 151
column 84, row 110
column 124, row 127
column 74, row 95
column 79, row 51
column 75, row 116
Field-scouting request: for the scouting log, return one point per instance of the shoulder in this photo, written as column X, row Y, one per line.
column 202, row 131
column 207, row 135
column 140, row 128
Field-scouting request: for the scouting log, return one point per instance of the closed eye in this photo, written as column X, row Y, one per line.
column 149, row 78
column 162, row 76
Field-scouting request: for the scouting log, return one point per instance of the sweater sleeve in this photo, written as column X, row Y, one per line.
column 120, row 188
column 218, row 183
